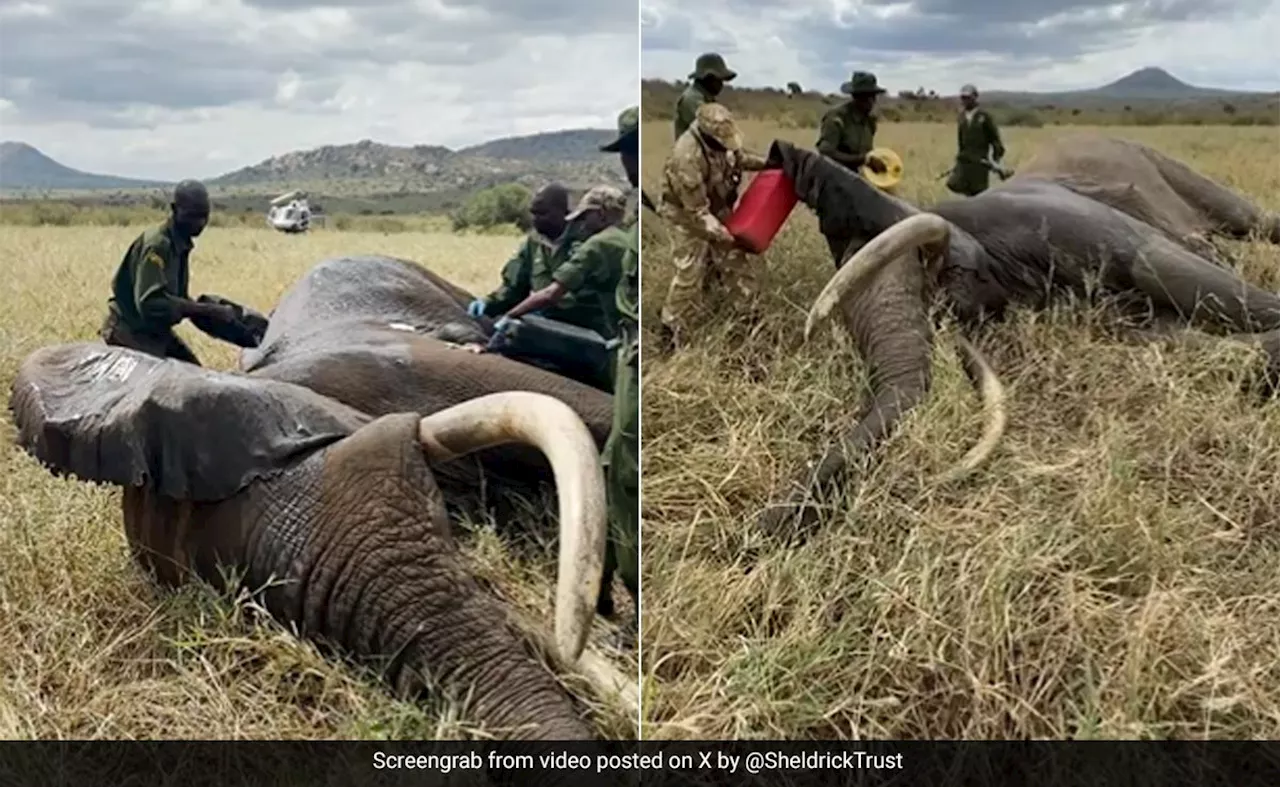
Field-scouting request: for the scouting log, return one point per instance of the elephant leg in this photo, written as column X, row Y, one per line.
column 1208, row 296
column 1228, row 212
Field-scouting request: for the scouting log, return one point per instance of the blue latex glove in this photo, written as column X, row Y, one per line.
column 500, row 329
column 476, row 308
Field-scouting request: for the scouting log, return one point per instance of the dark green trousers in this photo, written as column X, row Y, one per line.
column 621, row 457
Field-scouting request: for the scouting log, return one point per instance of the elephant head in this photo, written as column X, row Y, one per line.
column 887, row 256
column 338, row 514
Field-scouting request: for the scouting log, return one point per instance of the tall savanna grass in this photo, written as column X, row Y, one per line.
column 1113, row 572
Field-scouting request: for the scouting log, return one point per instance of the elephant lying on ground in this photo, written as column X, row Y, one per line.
column 317, row 469
column 336, row 517
column 1025, row 242
column 380, row 335
column 1151, row 187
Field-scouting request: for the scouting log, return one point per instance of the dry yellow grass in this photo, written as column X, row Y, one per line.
column 1113, row 572
column 89, row 648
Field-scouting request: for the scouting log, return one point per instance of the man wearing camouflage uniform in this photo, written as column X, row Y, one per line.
column 848, row 130
column 707, row 80
column 621, row 455
column 699, row 191
column 149, row 293
column 976, row 136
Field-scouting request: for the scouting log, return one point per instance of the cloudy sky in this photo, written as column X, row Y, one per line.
column 195, row 88
column 1038, row 45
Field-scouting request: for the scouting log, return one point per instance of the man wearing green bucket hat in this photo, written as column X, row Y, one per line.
column 848, row 131
column 707, row 80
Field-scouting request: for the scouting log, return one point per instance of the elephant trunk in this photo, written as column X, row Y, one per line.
column 891, row 330
column 390, row 583
column 881, row 294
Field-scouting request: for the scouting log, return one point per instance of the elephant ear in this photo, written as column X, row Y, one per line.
column 114, row 415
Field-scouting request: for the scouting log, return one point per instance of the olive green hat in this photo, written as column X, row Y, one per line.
column 628, row 124
column 969, row 90
column 861, row 83
column 712, row 64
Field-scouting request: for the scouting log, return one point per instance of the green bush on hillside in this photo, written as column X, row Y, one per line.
column 491, row 207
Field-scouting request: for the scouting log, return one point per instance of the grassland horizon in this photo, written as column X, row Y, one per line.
column 1112, row 572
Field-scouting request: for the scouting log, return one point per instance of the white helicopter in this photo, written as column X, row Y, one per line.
column 290, row 212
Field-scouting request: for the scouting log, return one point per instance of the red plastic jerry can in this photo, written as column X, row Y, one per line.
column 763, row 209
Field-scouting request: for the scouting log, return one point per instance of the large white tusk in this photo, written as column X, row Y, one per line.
column 907, row 235
column 555, row 429
column 993, row 398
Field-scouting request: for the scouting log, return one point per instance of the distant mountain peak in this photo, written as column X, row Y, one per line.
column 1150, row 78
column 23, row 166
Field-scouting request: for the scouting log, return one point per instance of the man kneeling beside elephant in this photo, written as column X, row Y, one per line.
column 149, row 293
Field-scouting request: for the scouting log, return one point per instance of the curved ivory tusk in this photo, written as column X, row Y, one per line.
column 907, row 235
column 609, row 681
column 554, row 428
column 993, row 398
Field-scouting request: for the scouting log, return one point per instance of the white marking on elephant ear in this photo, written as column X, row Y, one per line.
column 113, row 367
column 402, row 326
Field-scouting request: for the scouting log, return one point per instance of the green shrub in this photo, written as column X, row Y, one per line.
column 504, row 204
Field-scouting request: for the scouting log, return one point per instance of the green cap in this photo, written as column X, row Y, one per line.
column 862, row 82
column 628, row 123
column 712, row 64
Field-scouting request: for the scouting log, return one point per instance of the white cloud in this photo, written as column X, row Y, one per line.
column 193, row 88
column 1040, row 45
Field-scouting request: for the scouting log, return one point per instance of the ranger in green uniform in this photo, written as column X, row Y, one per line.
column 544, row 249
column 707, row 80
column 622, row 451
column 580, row 290
column 976, row 137
column 848, row 130
column 149, row 292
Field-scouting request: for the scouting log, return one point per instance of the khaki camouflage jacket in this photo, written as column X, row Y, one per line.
column 700, row 186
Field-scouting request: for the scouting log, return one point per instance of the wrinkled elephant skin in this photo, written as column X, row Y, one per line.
column 335, row 512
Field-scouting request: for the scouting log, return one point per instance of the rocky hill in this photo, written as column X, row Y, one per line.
column 571, row 156
column 24, row 167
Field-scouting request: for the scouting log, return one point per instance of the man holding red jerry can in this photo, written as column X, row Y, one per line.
column 699, row 190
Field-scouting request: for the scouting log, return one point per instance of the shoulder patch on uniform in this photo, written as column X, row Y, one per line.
column 155, row 258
